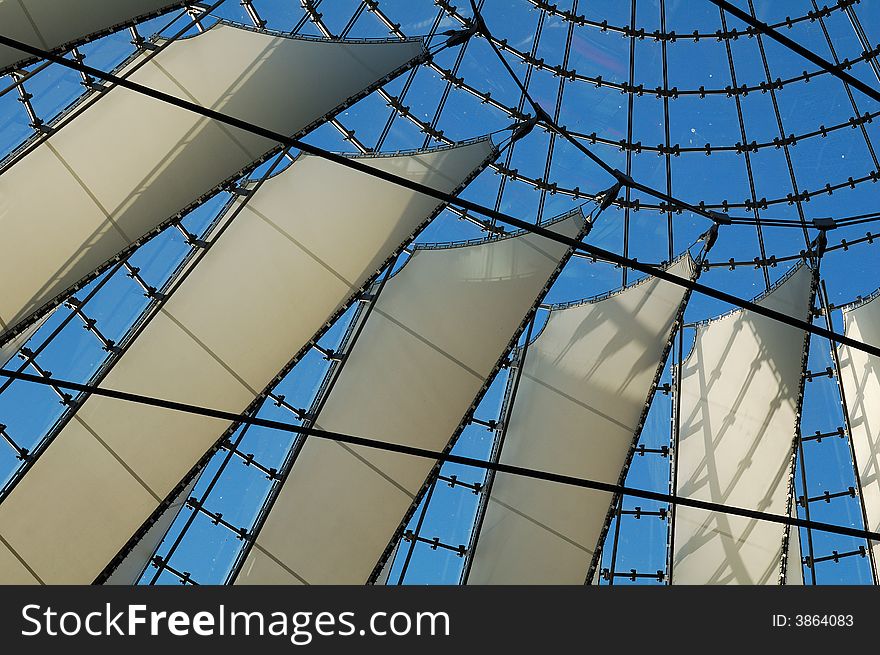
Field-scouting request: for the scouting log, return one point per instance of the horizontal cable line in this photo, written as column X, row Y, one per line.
column 809, row 376
column 835, row 70
column 453, row 482
column 860, row 221
column 772, row 261
column 184, row 576
column 724, row 205
column 806, row 195
column 767, row 223
column 738, row 148
column 444, row 456
column 835, row 556
column 824, row 222
column 434, row 543
column 818, row 436
column 354, row 164
column 633, row 575
column 659, row 35
column 827, row 496
column 249, row 459
column 637, row 513
column 195, row 504
column 641, row 451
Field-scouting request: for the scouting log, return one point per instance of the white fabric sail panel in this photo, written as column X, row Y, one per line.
column 285, row 272
column 860, row 373
column 432, row 339
column 50, row 24
column 129, row 163
column 583, row 389
column 739, row 406
column 135, row 562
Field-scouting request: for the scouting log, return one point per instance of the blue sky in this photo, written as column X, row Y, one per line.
column 799, row 108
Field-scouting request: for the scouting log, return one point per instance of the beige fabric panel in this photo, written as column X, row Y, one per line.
column 166, row 361
column 128, row 163
column 48, row 24
column 861, row 386
column 58, row 514
column 434, row 336
column 275, row 263
column 586, row 379
column 739, row 393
